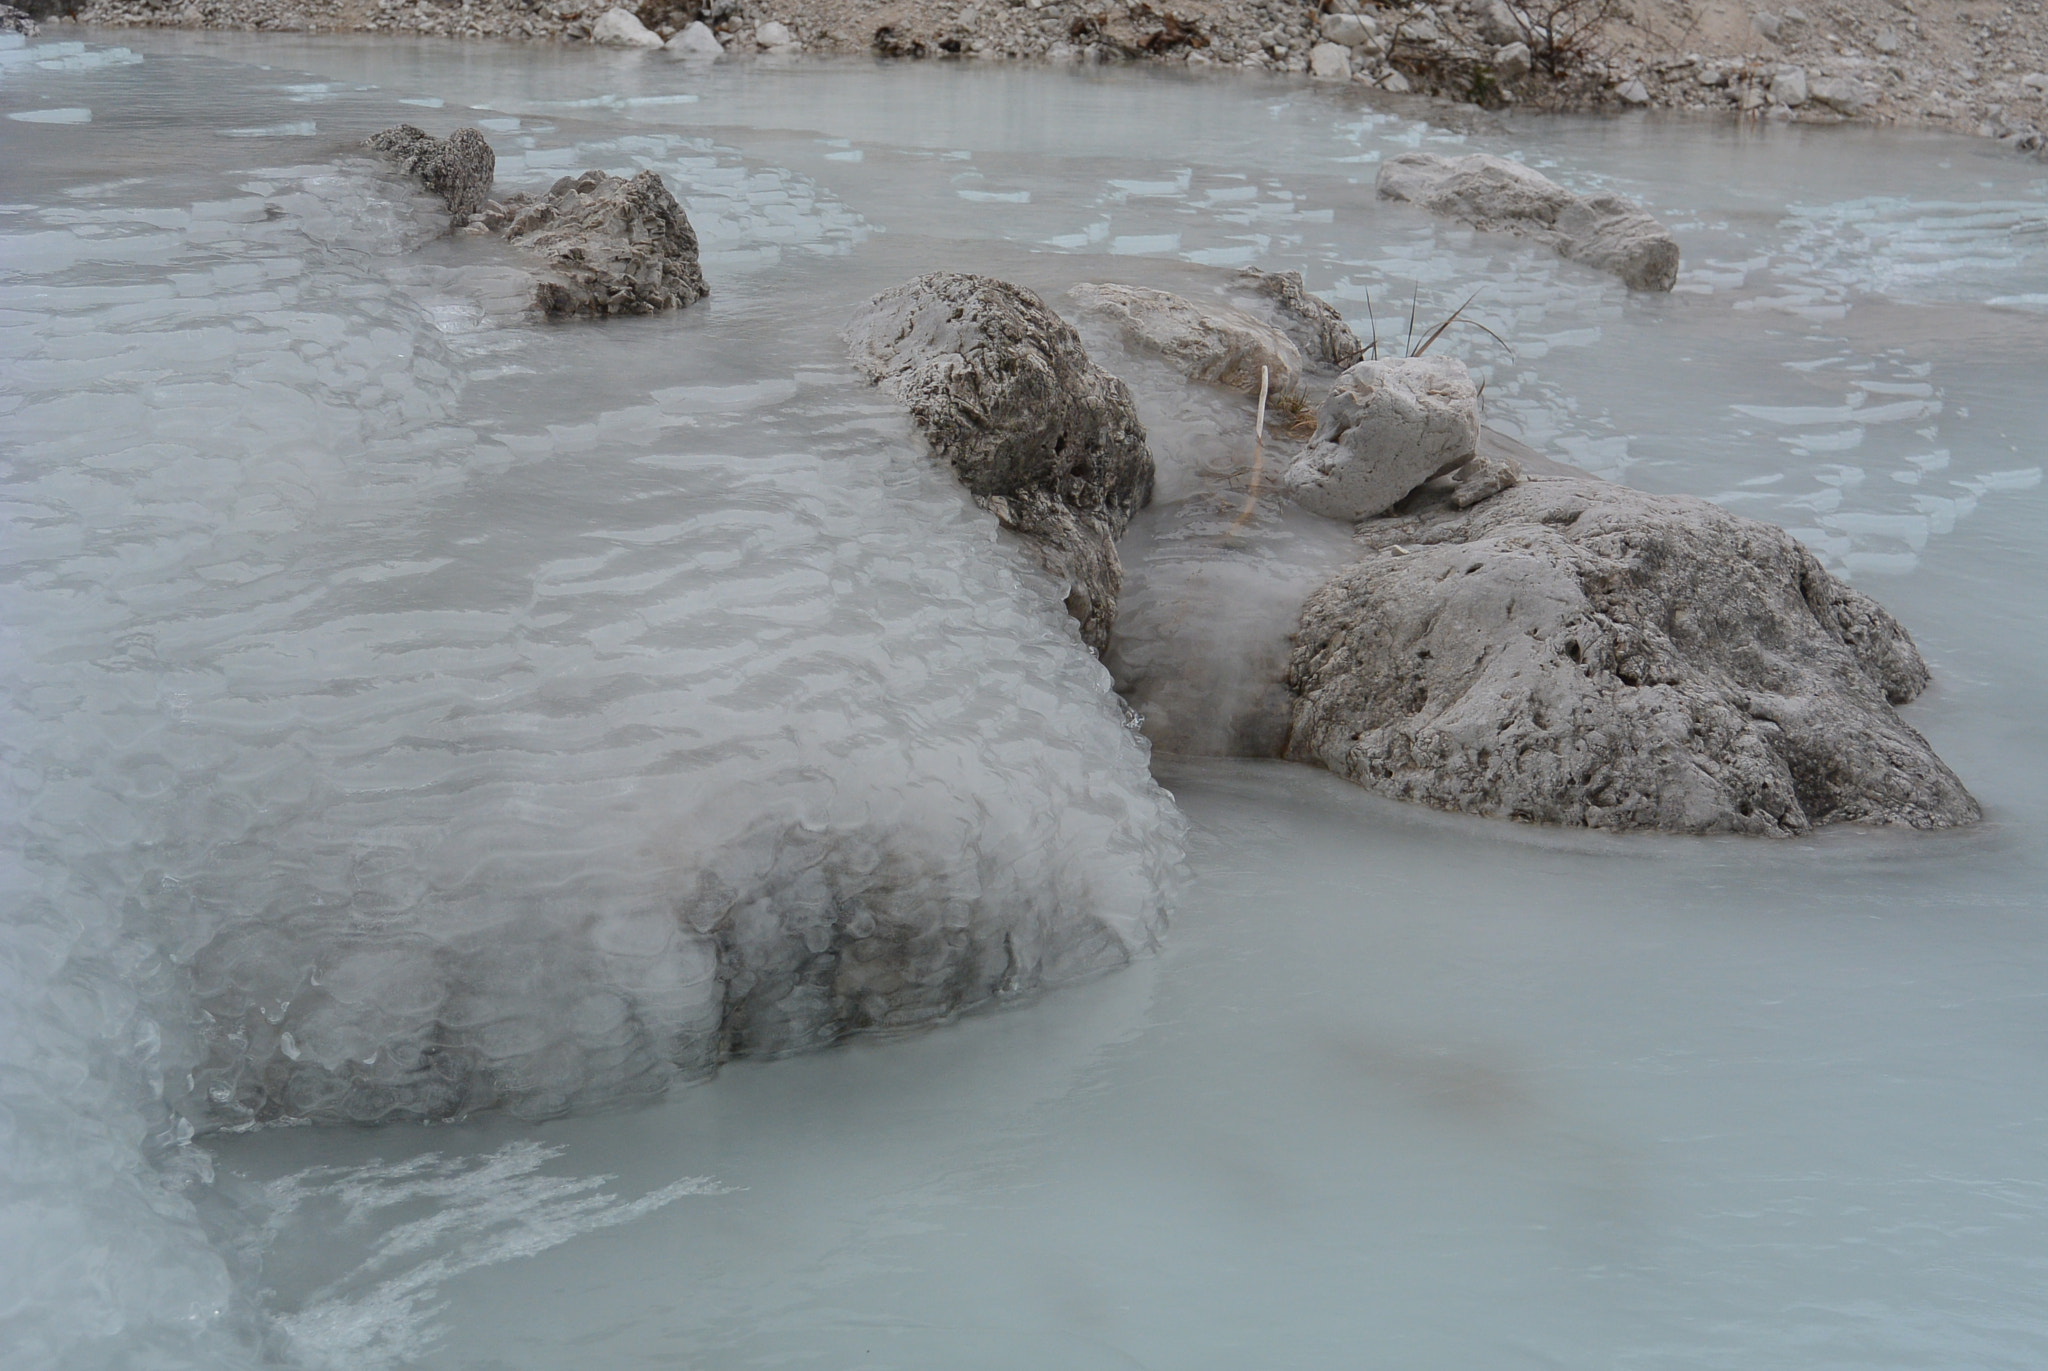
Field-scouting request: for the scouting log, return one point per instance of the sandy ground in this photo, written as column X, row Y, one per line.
column 1976, row 65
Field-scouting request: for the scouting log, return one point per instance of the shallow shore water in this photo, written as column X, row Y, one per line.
column 362, row 636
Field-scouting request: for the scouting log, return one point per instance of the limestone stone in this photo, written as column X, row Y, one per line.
column 621, row 28
column 774, row 34
column 1044, row 439
column 1330, row 61
column 1606, row 232
column 1788, row 87
column 610, row 245
column 1386, row 427
column 1312, row 323
column 458, row 168
column 696, row 42
column 1205, row 342
column 1352, row 30
column 1572, row 651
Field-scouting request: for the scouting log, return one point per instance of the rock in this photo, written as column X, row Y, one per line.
column 1887, row 40
column 1788, row 87
column 1311, row 323
column 1205, row 342
column 1603, row 231
column 696, row 42
column 612, row 246
column 458, row 168
column 1421, row 31
column 621, row 28
column 1632, row 92
column 1331, row 61
column 1482, row 478
column 1511, row 62
column 1498, row 23
column 1843, row 94
column 1766, row 24
column 1395, row 82
column 1042, row 437
column 1352, row 30
column 1576, row 652
column 774, row 35
column 2036, row 81
column 13, row 20
column 1386, row 427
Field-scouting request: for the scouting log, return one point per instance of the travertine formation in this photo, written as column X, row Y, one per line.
column 1044, row 439
column 1206, row 342
column 458, row 168
column 1386, row 427
column 612, row 245
column 1572, row 651
column 1325, row 340
column 1606, row 232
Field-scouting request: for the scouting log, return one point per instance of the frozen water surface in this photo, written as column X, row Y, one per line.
column 410, row 709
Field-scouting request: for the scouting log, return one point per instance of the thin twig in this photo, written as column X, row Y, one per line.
column 1251, row 501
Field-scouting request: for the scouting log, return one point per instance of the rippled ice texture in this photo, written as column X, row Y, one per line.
column 410, row 709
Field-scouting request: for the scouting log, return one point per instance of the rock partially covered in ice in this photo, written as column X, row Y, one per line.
column 612, row 246
column 1205, row 342
column 621, row 28
column 1572, row 651
column 1386, row 427
column 1311, row 322
column 697, row 42
column 1603, row 231
column 1043, row 438
column 458, row 168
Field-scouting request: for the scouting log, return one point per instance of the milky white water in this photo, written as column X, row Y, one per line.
column 407, row 707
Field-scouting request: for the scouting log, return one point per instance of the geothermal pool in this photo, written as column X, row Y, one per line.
column 382, row 666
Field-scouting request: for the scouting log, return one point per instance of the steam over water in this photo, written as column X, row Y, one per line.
column 415, row 712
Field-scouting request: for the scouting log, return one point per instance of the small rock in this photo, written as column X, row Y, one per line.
column 13, row 20
column 621, row 28
column 1498, row 23
column 1788, row 87
column 1843, row 94
column 459, row 168
column 1352, row 30
column 773, row 34
column 1212, row 343
column 1767, row 24
column 1330, row 61
column 1312, row 323
column 2036, row 81
column 1042, row 438
column 1492, row 193
column 1386, row 427
column 612, row 246
column 697, row 42
column 1395, row 82
column 1633, row 92
column 1512, row 61
column 1421, row 31
column 1887, row 41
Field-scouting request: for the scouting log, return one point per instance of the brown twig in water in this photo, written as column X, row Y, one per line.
column 1251, row 501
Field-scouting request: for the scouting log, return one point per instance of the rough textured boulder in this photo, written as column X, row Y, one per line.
column 1603, row 231
column 458, row 168
column 611, row 246
column 1044, row 439
column 1205, row 342
column 1576, row 652
column 1386, row 427
column 1313, row 323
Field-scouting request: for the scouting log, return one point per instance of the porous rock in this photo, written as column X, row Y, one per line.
column 1042, row 437
column 1205, row 342
column 1387, row 426
column 1313, row 324
column 1606, row 232
column 611, row 245
column 1572, row 651
column 458, row 168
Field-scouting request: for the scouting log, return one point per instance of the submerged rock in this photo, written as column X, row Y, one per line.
column 1386, row 427
column 458, row 168
column 612, row 246
column 1311, row 322
column 1205, row 342
column 1044, row 439
column 1572, row 651
column 1603, row 231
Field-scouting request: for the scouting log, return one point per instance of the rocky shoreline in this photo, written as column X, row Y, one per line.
column 1978, row 67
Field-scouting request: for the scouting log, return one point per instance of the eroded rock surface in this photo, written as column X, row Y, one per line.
column 1213, row 343
column 611, row 245
column 1606, row 232
column 1386, row 427
column 1313, row 323
column 1572, row 651
column 1044, row 439
column 458, row 168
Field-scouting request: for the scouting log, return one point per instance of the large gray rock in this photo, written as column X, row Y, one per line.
column 1313, row 324
column 1576, row 652
column 1205, row 342
column 611, row 246
column 1386, row 427
column 1606, row 232
column 458, row 168
column 1043, row 438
